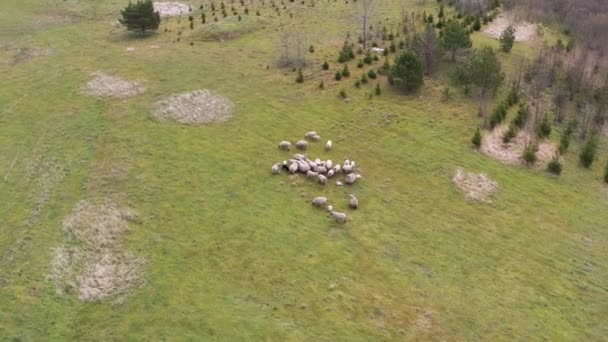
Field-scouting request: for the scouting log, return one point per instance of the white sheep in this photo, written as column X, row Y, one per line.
column 316, row 138
column 312, row 174
column 330, row 173
column 351, row 178
column 322, row 169
column 293, row 168
column 328, row 145
column 319, row 202
column 353, row 201
column 339, row 217
column 310, row 134
column 322, row 179
column 276, row 168
column 338, row 183
column 303, row 167
column 302, row 144
column 337, row 168
column 329, row 164
column 285, row 145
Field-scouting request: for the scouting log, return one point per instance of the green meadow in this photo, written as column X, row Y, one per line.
column 236, row 254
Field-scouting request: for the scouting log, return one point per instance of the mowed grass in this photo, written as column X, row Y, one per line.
column 237, row 254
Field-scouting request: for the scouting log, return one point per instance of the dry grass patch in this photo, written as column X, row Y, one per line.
column 195, row 108
column 476, row 187
column 171, row 8
column 103, row 85
column 524, row 31
column 511, row 153
column 94, row 266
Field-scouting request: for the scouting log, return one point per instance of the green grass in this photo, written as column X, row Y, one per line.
column 236, row 254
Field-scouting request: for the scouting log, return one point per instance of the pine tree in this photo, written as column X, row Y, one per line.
column 140, row 16
column 455, row 38
column 408, row 71
column 476, row 140
column 507, row 38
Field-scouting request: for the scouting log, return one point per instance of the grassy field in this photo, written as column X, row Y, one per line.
column 234, row 253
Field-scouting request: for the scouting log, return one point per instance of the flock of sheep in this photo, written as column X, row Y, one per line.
column 319, row 170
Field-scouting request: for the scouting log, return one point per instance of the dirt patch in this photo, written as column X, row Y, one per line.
column 94, row 266
column 510, row 153
column 476, row 187
column 170, row 9
column 195, row 108
column 524, row 31
column 104, row 85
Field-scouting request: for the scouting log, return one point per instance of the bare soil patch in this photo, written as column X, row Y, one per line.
column 524, row 31
column 476, row 187
column 511, row 153
column 171, row 8
column 195, row 108
column 104, row 85
column 94, row 266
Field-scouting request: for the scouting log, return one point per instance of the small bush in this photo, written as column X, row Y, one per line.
column 311, row 49
column 477, row 24
column 512, row 97
column 476, row 140
column 376, row 58
column 522, row 116
column 555, row 166
column 300, row 78
column 325, row 66
column 338, row 76
column 587, row 155
column 564, row 143
column 345, row 71
column 360, row 64
column 529, row 155
column 544, row 129
column 498, row 116
column 368, row 58
column 509, row 134
column 346, row 54
column 377, row 90
column 372, row 74
column 343, row 94
column 357, row 84
column 364, row 79
column 322, row 85
column 606, row 173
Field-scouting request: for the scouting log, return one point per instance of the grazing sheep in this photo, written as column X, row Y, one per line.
column 302, row 144
column 347, row 168
column 353, row 201
column 285, row 145
column 276, row 169
column 329, row 164
column 328, row 145
column 337, row 168
column 285, row 165
column 339, row 217
column 318, row 161
column 310, row 134
column 330, row 208
column 351, row 178
column 316, row 138
column 293, row 168
column 303, row 167
column 322, row 179
column 322, row 169
column 312, row 174
column 338, row 183
column 346, row 162
column 330, row 173
column 298, row 156
column 319, row 202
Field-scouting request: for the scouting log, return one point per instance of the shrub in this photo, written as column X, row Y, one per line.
column 564, row 143
column 507, row 38
column 606, row 173
column 529, row 155
column 587, row 155
column 311, row 49
column 498, row 115
column 477, row 138
column 325, row 66
column 477, row 24
column 140, row 16
column 544, row 129
column 357, row 84
column 509, row 134
column 372, row 74
column 360, row 64
column 408, row 71
column 522, row 116
column 322, row 85
column 368, row 58
column 346, row 54
column 364, row 79
column 345, row 71
column 300, row 78
column 512, row 97
column 555, row 166
column 343, row 94
column 338, row 76
column 377, row 90
column 376, row 58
